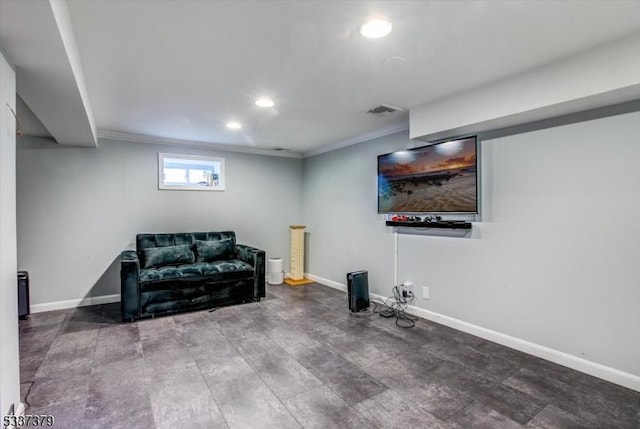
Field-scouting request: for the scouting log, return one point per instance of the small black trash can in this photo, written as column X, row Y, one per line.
column 24, row 308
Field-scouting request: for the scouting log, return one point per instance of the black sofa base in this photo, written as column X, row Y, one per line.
column 178, row 297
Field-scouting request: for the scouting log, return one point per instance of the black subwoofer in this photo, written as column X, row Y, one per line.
column 358, row 290
column 24, row 309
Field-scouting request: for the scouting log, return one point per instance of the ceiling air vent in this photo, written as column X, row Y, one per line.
column 280, row 149
column 383, row 110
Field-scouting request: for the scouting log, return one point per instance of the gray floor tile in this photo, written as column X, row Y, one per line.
column 46, row 318
column 191, row 317
column 65, row 344
column 164, row 355
column 550, row 369
column 479, row 416
column 166, row 378
column 552, row 417
column 536, row 384
column 72, row 390
column 252, row 343
column 184, row 402
column 118, row 342
column 511, row 402
column 420, row 361
column 436, row 398
column 609, row 390
column 395, row 375
column 320, row 408
column 349, row 381
column 71, row 354
column 107, row 399
column 216, row 349
column 248, row 403
column 137, row 416
column 356, row 350
column 282, row 373
column 29, row 365
column 225, row 371
column 468, row 356
column 591, row 405
column 391, row 344
column 65, row 416
column 284, row 309
column 203, row 332
column 462, row 378
column 392, row 410
column 292, row 339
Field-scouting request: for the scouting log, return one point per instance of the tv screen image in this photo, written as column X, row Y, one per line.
column 439, row 178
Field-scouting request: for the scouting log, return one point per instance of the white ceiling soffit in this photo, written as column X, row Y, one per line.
column 38, row 38
column 182, row 69
column 605, row 76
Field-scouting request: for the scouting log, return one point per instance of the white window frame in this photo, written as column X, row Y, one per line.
column 189, row 159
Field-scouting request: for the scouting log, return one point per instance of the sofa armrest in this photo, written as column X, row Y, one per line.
column 129, row 287
column 255, row 258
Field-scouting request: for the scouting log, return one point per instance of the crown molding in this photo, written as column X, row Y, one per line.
column 380, row 132
column 143, row 138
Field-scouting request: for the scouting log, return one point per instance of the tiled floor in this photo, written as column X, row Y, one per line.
column 297, row 359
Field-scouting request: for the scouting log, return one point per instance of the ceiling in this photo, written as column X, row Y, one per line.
column 182, row 69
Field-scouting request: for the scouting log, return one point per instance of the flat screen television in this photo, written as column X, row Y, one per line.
column 439, row 178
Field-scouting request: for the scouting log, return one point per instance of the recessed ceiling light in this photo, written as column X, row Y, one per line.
column 376, row 28
column 234, row 125
column 264, row 102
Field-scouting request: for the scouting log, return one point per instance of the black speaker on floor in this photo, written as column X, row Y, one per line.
column 24, row 309
column 358, row 290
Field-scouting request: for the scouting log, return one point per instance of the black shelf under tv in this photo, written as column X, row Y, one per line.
column 448, row 224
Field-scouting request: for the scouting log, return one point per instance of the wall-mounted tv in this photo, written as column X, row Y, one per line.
column 439, row 178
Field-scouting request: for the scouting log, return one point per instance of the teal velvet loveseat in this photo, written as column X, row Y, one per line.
column 170, row 273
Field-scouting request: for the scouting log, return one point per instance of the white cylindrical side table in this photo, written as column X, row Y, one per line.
column 275, row 274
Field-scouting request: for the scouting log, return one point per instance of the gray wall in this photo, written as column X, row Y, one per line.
column 79, row 207
column 554, row 260
column 9, row 370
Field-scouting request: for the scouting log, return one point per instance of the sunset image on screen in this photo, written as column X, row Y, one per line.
column 436, row 178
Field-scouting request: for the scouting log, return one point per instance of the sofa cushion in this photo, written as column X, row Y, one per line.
column 214, row 250
column 216, row 270
column 169, row 255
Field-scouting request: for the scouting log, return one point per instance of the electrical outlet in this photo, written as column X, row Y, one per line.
column 425, row 292
column 408, row 286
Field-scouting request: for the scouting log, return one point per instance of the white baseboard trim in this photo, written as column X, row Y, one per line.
column 326, row 282
column 73, row 303
column 613, row 375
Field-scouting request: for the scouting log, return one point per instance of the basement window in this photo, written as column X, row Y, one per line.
column 190, row 172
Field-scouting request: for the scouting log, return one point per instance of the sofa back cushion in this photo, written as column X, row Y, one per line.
column 215, row 250
column 146, row 241
column 168, row 255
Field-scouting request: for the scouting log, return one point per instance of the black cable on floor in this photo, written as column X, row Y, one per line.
column 396, row 306
column 26, row 396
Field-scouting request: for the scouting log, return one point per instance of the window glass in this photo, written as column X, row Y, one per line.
column 190, row 172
